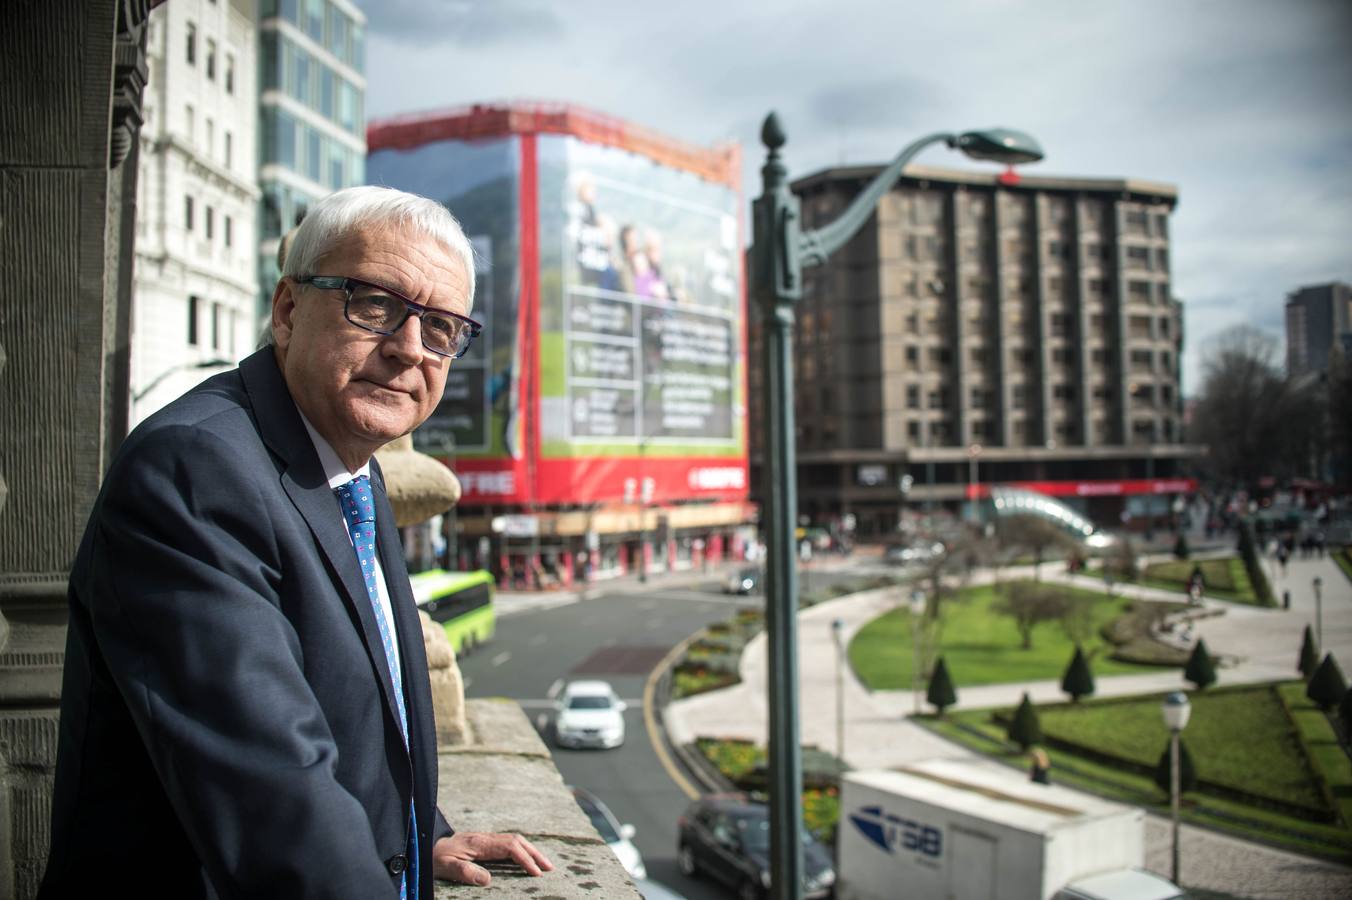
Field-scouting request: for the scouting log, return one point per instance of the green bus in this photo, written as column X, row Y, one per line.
column 461, row 601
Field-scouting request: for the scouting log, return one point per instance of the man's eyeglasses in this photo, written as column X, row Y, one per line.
column 379, row 309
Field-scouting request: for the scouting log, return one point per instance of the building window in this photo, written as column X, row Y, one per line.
column 912, row 397
column 187, row 212
column 1134, row 221
column 211, row 136
column 211, row 60
column 229, row 73
column 190, row 123
column 980, row 429
column 939, row 356
column 1141, row 359
column 229, row 149
column 209, row 223
column 192, row 320
column 912, row 321
column 192, row 44
column 229, row 231
column 912, row 357
column 1061, row 325
column 215, row 326
column 1138, row 258
column 1065, row 392
column 913, row 430
column 1138, row 291
column 980, row 398
column 1061, row 355
column 1018, row 396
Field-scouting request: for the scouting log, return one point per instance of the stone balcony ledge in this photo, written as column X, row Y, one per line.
column 503, row 779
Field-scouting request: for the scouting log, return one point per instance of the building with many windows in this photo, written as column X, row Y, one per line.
column 1318, row 321
column 311, row 115
column 193, row 285
column 985, row 329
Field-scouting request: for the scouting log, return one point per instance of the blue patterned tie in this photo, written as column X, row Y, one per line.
column 359, row 509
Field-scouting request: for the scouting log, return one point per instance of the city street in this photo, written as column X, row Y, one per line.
column 620, row 638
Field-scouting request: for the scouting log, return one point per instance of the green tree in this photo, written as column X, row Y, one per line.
column 941, row 693
column 1030, row 603
column 1181, row 549
column 1025, row 729
column 1079, row 680
column 1187, row 772
column 1345, row 715
column 1327, row 686
column 1201, row 668
column 1309, row 655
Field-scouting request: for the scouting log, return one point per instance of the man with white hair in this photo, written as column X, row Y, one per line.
column 246, row 709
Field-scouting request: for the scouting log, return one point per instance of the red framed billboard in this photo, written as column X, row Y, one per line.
column 611, row 280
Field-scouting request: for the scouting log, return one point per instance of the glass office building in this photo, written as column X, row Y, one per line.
column 312, row 118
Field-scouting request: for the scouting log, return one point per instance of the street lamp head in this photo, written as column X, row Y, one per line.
column 1004, row 145
column 1175, row 709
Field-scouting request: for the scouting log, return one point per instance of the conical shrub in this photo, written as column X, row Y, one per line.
column 1187, row 771
column 1345, row 713
column 1309, row 655
column 1327, row 686
column 1200, row 670
column 1181, row 549
column 941, row 693
column 1025, row 729
column 1078, row 680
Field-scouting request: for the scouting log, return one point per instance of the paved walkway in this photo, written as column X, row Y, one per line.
column 1260, row 644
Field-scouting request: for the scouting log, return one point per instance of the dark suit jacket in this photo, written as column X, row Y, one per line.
column 228, row 728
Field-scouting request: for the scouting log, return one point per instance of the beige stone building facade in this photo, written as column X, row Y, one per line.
column 983, row 329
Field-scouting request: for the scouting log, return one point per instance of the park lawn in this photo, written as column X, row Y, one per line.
column 981, row 646
column 1226, row 579
column 976, row 730
column 1219, row 738
column 1326, row 755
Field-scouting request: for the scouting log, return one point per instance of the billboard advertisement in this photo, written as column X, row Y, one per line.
column 612, row 367
column 642, row 355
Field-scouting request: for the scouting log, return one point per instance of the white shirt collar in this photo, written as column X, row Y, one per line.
column 334, row 470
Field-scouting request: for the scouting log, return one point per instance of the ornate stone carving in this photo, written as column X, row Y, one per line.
column 129, row 78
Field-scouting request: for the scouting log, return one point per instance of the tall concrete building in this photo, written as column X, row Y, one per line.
column 981, row 330
column 1318, row 321
column 312, row 114
column 193, row 284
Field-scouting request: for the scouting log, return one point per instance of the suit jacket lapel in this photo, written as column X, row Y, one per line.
column 303, row 480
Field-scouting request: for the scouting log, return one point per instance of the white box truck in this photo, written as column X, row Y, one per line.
column 968, row 829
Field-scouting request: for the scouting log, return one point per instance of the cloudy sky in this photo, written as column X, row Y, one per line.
column 1245, row 106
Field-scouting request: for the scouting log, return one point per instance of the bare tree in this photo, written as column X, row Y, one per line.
column 1035, row 534
column 1255, row 421
column 1030, row 603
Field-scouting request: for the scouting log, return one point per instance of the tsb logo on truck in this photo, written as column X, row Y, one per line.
column 890, row 832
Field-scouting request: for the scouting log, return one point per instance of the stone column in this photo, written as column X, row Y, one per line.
column 69, row 117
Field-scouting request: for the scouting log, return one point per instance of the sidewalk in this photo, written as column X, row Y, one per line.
column 1264, row 643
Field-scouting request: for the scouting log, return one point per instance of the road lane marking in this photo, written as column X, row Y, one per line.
column 650, row 718
column 502, row 657
column 554, row 688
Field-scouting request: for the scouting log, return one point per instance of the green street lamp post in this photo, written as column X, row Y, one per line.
column 780, row 252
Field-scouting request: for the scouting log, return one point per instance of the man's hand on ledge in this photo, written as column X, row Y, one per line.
column 453, row 858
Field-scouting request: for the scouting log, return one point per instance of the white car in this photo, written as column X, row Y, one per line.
column 589, row 714
column 619, row 838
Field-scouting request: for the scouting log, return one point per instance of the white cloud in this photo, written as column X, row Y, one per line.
column 1243, row 104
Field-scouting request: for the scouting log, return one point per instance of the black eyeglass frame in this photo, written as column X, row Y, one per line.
column 346, row 284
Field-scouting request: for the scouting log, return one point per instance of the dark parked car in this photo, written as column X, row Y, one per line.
column 727, row 838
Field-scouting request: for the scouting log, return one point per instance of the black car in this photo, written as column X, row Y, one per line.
column 727, row 838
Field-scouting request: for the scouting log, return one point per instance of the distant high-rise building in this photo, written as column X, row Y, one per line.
column 193, row 284
column 979, row 331
column 1318, row 320
column 311, row 112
